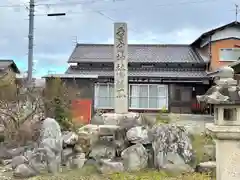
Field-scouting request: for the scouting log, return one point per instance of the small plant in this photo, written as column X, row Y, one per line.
column 199, row 141
column 162, row 117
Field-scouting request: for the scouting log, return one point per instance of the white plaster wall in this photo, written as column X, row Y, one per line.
column 225, row 33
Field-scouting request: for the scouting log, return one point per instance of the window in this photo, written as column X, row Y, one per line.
column 104, row 96
column 230, row 54
column 147, row 96
column 141, row 96
column 229, row 114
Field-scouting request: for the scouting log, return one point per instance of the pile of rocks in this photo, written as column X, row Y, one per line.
column 119, row 142
column 113, row 143
column 32, row 160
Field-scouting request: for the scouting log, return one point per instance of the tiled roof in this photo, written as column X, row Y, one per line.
column 137, row 53
column 211, row 32
column 4, row 63
column 161, row 73
column 7, row 63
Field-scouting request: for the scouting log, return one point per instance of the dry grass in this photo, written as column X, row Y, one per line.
column 89, row 173
column 198, row 142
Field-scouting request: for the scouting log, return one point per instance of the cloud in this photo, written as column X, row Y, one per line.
column 165, row 21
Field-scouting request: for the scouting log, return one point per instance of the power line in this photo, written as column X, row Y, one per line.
column 70, row 3
column 94, row 11
column 94, row 1
column 51, row 4
column 114, row 20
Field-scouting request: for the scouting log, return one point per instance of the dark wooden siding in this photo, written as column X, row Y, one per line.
column 182, row 97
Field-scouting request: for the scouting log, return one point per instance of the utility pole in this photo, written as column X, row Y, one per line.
column 30, row 42
column 31, row 38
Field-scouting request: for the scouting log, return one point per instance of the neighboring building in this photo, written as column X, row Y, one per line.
column 220, row 46
column 8, row 72
column 8, row 82
column 160, row 76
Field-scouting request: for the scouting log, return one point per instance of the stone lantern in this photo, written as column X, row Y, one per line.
column 225, row 96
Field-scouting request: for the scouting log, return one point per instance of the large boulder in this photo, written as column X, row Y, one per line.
column 107, row 166
column 8, row 153
column 78, row 160
column 51, row 144
column 16, row 161
column 138, row 134
column 106, row 151
column 135, row 157
column 89, row 135
column 170, row 138
column 66, row 154
column 24, row 171
column 175, row 164
column 69, row 138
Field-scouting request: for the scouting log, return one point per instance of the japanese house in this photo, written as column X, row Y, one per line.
column 8, row 71
column 161, row 76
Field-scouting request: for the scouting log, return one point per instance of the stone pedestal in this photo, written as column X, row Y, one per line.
column 227, row 150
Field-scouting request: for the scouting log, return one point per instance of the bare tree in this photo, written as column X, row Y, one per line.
column 25, row 108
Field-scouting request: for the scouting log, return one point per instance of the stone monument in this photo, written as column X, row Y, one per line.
column 120, row 68
column 225, row 96
column 121, row 116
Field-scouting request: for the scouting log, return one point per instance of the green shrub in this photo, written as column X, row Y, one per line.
column 162, row 117
column 58, row 98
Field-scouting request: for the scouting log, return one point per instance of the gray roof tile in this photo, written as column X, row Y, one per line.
column 7, row 63
column 162, row 73
column 137, row 53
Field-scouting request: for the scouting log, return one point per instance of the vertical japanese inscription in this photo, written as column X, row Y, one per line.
column 121, row 67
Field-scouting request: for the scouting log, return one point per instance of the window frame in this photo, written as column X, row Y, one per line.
column 97, row 97
column 227, row 60
column 159, row 86
column 159, row 97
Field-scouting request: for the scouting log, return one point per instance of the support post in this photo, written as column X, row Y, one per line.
column 30, row 41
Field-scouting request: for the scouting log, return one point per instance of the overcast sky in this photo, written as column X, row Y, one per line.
column 91, row 21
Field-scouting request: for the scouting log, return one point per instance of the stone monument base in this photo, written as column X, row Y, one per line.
column 122, row 119
column 227, row 140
